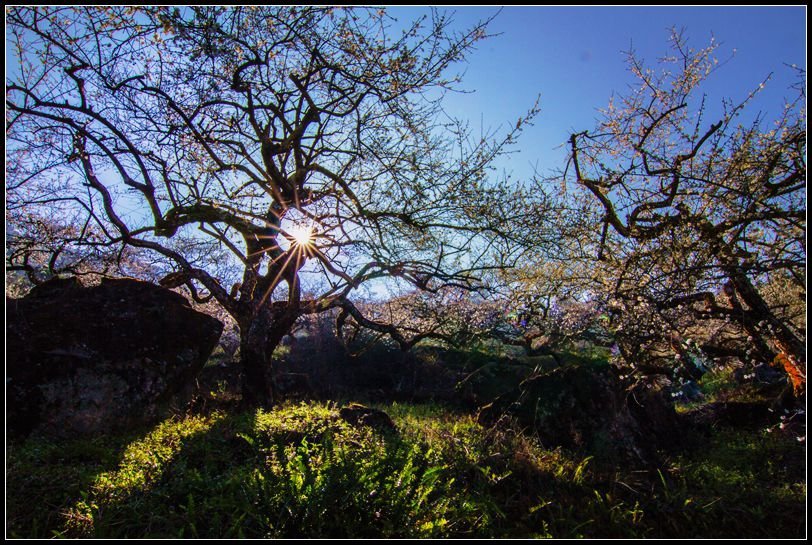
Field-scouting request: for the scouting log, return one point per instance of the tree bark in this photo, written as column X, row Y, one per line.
column 258, row 339
column 784, row 338
column 779, row 343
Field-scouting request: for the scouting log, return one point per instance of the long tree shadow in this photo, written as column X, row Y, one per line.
column 304, row 471
column 45, row 477
column 258, row 475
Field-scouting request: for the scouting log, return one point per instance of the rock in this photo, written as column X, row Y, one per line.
column 746, row 414
column 82, row 360
column 585, row 408
column 655, row 423
column 690, row 391
column 766, row 380
column 491, row 380
column 358, row 415
column 769, row 376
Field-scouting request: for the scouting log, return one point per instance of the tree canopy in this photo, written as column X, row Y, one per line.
column 267, row 137
column 276, row 160
column 700, row 212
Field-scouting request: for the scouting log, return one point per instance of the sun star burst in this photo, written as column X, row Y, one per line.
column 301, row 235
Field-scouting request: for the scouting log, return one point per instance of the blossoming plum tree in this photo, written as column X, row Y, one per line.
column 704, row 215
column 291, row 139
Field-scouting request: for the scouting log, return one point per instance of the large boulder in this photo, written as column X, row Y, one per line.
column 586, row 408
column 81, row 360
column 358, row 415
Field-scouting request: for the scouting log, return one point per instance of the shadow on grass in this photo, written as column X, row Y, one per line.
column 301, row 472
column 45, row 477
column 266, row 475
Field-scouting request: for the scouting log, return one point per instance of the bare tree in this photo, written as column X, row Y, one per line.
column 293, row 138
column 697, row 214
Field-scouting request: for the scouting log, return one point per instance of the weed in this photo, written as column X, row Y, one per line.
column 300, row 471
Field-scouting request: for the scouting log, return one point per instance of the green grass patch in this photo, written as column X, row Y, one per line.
column 739, row 483
column 301, row 471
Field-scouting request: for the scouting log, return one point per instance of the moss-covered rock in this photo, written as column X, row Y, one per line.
column 81, row 360
column 586, row 408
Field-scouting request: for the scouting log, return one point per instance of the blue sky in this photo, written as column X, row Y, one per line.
column 573, row 57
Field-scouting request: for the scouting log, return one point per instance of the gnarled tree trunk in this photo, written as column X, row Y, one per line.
column 788, row 351
column 259, row 337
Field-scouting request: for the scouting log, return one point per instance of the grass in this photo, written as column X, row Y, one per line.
column 301, row 471
column 738, row 484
